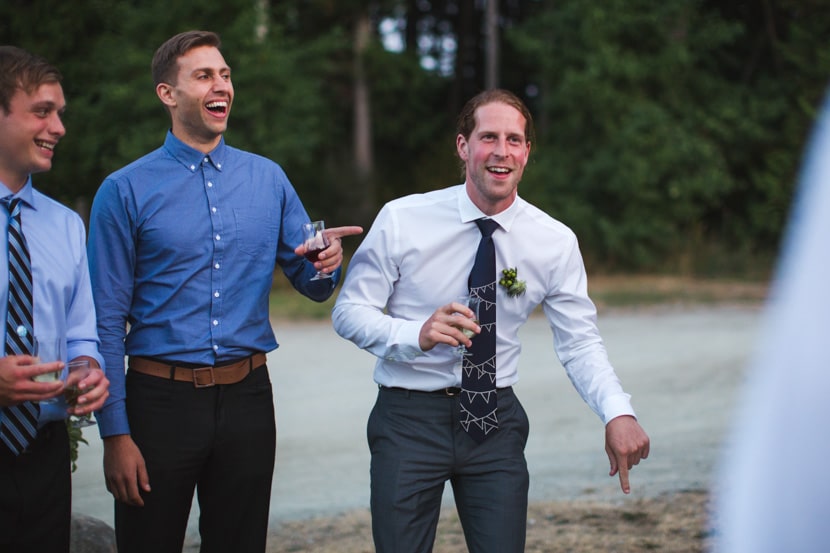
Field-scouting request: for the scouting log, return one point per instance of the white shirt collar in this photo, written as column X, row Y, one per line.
column 469, row 212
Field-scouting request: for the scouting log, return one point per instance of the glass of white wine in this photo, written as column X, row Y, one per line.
column 47, row 350
column 473, row 302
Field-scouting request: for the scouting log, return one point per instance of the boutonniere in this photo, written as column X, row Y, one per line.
column 511, row 283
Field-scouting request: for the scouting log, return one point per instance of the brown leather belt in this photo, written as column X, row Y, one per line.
column 201, row 377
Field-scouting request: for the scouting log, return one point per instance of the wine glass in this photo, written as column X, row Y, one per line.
column 77, row 370
column 315, row 241
column 473, row 302
column 48, row 349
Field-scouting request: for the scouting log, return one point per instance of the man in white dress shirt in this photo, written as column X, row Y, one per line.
column 398, row 303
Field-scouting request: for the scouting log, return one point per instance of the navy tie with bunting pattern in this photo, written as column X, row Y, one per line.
column 478, row 366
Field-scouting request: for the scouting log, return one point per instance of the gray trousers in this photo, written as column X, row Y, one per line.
column 417, row 444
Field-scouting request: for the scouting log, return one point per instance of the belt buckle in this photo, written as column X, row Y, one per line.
column 196, row 380
column 452, row 392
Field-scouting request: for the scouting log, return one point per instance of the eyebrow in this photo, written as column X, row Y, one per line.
column 48, row 104
column 211, row 70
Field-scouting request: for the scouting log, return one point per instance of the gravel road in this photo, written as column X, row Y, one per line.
column 682, row 367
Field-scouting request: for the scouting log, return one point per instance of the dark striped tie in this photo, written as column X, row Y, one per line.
column 18, row 424
column 478, row 366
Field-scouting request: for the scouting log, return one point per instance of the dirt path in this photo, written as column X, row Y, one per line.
column 681, row 365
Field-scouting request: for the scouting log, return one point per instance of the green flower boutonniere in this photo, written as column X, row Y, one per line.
column 511, row 283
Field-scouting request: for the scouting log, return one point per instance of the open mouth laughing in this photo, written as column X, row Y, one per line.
column 218, row 107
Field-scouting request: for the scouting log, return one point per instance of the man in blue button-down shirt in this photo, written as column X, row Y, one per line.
column 183, row 244
column 35, row 483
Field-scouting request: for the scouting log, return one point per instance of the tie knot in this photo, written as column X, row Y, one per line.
column 11, row 203
column 487, row 226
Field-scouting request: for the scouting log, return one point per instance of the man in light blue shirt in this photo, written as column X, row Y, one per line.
column 183, row 245
column 35, row 484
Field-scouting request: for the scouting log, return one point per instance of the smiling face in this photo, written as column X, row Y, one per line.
column 200, row 99
column 29, row 132
column 495, row 155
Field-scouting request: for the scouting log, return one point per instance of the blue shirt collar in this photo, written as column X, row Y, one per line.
column 26, row 193
column 192, row 158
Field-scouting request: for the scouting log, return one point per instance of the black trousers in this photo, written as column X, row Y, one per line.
column 417, row 444
column 36, row 494
column 219, row 441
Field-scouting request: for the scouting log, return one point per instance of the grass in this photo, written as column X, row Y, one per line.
column 607, row 291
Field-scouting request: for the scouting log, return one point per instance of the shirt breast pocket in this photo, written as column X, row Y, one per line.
column 256, row 234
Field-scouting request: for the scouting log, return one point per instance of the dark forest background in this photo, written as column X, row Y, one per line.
column 669, row 132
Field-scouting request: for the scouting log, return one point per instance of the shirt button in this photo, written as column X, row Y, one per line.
column 218, row 237
column 216, row 266
column 218, row 165
column 215, row 323
column 207, row 160
column 215, row 348
column 192, row 167
column 213, row 209
column 210, row 184
column 216, row 294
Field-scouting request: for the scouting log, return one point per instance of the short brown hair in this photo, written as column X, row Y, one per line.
column 166, row 57
column 467, row 118
column 22, row 70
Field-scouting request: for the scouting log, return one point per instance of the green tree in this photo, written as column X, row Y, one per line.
column 667, row 130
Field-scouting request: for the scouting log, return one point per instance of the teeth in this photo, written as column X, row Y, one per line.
column 499, row 170
column 46, row 145
column 213, row 105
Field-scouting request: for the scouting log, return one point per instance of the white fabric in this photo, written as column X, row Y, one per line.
column 774, row 485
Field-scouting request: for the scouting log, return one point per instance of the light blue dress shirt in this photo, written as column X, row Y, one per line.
column 182, row 251
column 56, row 238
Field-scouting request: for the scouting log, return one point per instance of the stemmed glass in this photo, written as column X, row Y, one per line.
column 48, row 350
column 315, row 241
column 473, row 302
column 77, row 370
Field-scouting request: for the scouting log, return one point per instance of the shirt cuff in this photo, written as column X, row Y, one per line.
column 405, row 345
column 112, row 420
column 617, row 406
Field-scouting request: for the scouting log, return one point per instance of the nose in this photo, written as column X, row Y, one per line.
column 56, row 127
column 221, row 82
column 500, row 147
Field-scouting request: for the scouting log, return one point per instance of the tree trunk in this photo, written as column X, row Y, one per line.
column 491, row 19
column 364, row 163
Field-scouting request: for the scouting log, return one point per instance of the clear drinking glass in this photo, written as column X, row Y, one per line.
column 48, row 349
column 76, row 371
column 315, row 241
column 473, row 302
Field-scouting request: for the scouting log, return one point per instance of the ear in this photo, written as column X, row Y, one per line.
column 461, row 147
column 165, row 93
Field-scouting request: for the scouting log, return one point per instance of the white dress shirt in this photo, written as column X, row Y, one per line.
column 417, row 257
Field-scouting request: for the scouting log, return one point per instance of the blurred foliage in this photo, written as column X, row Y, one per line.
column 669, row 132
column 673, row 130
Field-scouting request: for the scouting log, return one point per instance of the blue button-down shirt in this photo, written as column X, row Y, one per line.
column 182, row 250
column 56, row 239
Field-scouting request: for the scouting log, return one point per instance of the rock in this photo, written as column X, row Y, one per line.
column 91, row 535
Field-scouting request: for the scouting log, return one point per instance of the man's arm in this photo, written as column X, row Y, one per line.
column 111, row 250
